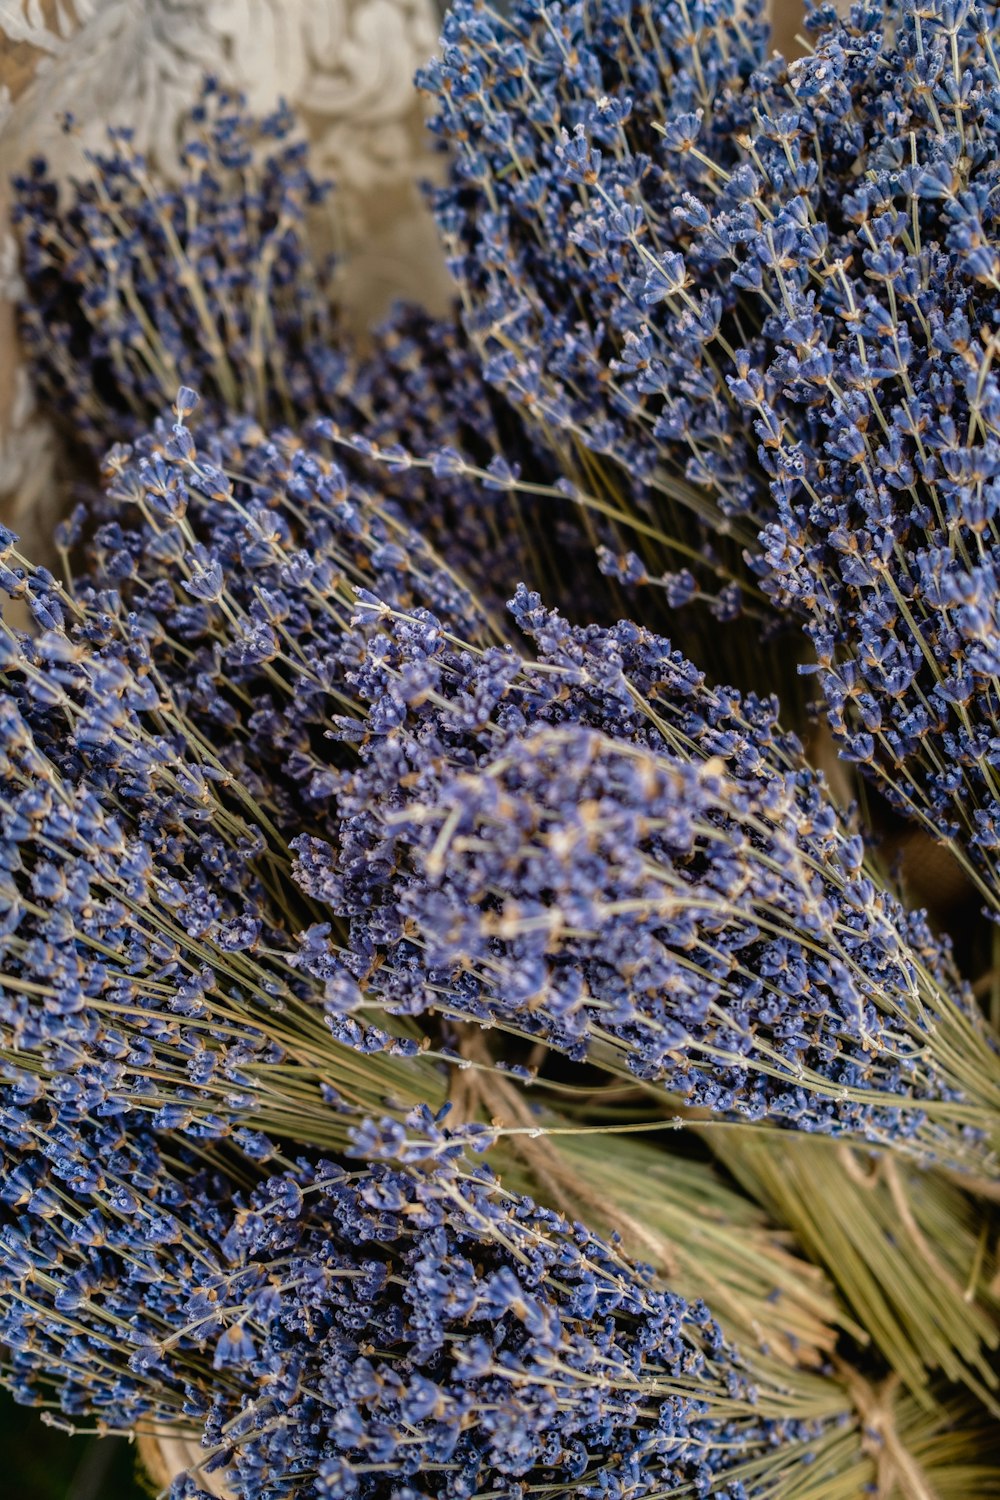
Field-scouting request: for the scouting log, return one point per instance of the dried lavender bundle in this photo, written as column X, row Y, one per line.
column 135, row 287
column 150, row 922
column 709, row 924
column 769, row 293
column 332, row 1331
column 561, row 182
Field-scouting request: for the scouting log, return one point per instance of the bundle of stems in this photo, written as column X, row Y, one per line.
column 912, row 1256
column 675, row 1211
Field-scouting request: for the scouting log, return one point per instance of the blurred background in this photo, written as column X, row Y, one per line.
column 39, row 1463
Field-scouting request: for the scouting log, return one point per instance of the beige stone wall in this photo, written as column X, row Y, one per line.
column 28, row 501
column 786, row 24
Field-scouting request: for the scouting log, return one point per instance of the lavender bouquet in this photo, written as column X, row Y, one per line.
column 453, row 1045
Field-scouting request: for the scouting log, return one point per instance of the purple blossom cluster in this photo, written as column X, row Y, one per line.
column 335, row 1332
column 768, row 293
column 562, row 227
column 594, row 848
column 875, row 399
column 136, row 287
column 147, row 910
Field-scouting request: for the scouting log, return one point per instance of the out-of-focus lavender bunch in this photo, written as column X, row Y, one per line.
column 136, row 287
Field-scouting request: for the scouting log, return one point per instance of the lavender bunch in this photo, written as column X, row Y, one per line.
column 882, row 402
column 740, row 903
column 136, row 287
column 148, row 910
column 561, row 187
column 599, row 851
column 780, row 284
column 512, row 1348
column 409, row 1322
column 153, row 969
